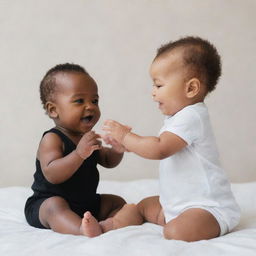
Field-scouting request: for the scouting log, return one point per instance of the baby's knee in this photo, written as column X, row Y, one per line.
column 128, row 210
column 127, row 216
column 53, row 205
column 173, row 231
column 130, row 207
column 142, row 205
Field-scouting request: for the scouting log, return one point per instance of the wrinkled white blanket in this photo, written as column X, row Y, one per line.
column 18, row 238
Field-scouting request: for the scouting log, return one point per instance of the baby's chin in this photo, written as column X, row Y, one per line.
column 164, row 111
column 168, row 113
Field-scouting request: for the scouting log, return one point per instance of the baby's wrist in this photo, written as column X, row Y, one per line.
column 79, row 155
column 124, row 136
column 126, row 131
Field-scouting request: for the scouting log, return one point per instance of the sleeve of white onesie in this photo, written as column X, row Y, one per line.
column 185, row 124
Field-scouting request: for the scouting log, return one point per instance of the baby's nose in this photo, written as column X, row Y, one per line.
column 89, row 105
column 153, row 93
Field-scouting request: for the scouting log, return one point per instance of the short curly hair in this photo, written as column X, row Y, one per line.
column 199, row 56
column 48, row 83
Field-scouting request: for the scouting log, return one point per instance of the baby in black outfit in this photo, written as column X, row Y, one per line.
column 65, row 184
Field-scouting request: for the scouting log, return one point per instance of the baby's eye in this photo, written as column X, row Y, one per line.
column 157, row 86
column 95, row 101
column 80, row 101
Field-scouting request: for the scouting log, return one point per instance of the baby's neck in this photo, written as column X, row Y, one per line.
column 74, row 136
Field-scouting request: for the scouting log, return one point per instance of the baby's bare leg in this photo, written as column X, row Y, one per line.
column 192, row 225
column 56, row 214
column 151, row 210
column 110, row 205
column 116, row 214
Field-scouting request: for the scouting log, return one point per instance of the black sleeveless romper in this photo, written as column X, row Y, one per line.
column 79, row 190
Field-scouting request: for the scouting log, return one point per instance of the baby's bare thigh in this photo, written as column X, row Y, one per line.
column 151, row 210
column 51, row 208
column 192, row 225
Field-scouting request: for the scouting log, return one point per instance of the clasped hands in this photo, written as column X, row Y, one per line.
column 91, row 141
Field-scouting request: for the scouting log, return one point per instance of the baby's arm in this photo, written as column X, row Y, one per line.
column 149, row 147
column 58, row 168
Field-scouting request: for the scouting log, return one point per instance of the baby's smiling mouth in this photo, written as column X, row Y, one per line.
column 160, row 103
column 87, row 119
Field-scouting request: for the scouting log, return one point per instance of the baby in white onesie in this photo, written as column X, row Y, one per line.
column 195, row 200
column 193, row 178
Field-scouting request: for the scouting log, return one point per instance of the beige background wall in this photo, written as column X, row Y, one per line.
column 115, row 40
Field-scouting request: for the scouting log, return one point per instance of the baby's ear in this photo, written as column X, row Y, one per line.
column 51, row 109
column 193, row 87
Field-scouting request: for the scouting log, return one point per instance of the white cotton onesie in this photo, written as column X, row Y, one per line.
column 193, row 178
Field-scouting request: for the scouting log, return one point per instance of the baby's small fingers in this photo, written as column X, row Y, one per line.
column 107, row 140
column 95, row 137
column 103, row 137
column 90, row 135
column 128, row 127
column 99, row 143
column 108, row 122
column 111, row 123
column 95, row 147
column 114, row 143
column 105, row 128
column 112, row 140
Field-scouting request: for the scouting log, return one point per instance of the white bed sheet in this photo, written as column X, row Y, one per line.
column 18, row 238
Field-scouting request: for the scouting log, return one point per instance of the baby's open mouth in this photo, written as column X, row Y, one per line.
column 87, row 119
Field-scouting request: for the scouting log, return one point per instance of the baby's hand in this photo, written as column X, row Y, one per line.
column 87, row 144
column 119, row 148
column 116, row 130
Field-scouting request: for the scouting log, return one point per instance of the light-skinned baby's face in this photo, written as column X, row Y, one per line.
column 75, row 107
column 169, row 77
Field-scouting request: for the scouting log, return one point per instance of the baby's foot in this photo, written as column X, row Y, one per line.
column 90, row 226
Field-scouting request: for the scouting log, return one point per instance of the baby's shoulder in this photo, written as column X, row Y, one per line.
column 50, row 139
